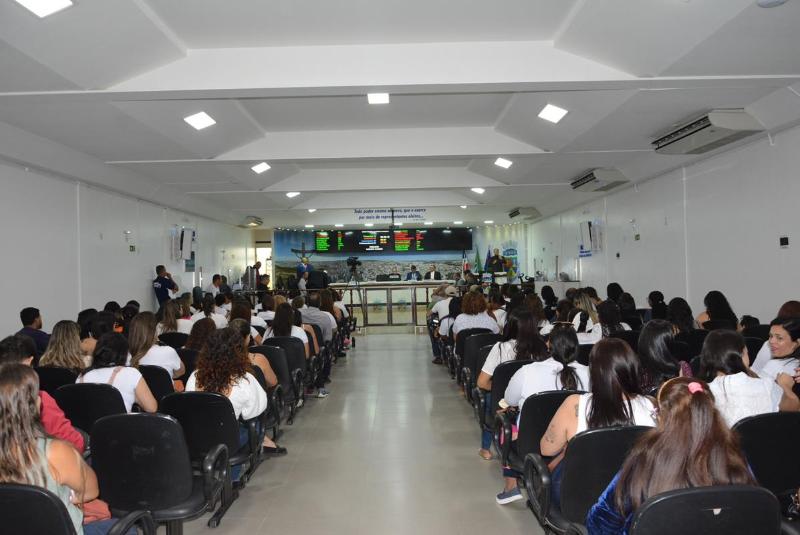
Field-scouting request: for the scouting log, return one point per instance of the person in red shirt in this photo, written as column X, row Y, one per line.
column 19, row 349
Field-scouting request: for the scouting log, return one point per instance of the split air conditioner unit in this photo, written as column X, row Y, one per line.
column 526, row 213
column 713, row 130
column 252, row 221
column 599, row 180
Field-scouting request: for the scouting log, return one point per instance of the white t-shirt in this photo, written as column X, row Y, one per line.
column 500, row 353
column 541, row 377
column 340, row 305
column 184, row 326
column 643, row 411
column 500, row 316
column 297, row 332
column 442, row 308
column 738, row 396
column 163, row 356
column 220, row 321
column 773, row 367
column 475, row 321
column 125, row 381
column 246, row 395
column 267, row 315
column 213, row 290
column 764, row 356
column 256, row 321
column 332, row 319
column 545, row 327
column 444, row 326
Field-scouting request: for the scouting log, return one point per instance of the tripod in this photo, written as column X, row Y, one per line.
column 352, row 280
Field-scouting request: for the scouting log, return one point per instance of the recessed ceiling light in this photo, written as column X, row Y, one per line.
column 338, row 225
column 488, row 222
column 368, row 224
column 552, row 113
column 502, row 162
column 378, row 98
column 463, row 206
column 261, row 167
column 399, row 224
column 43, row 8
column 479, row 191
column 309, row 226
column 292, row 194
column 458, row 222
column 312, row 210
column 429, row 223
column 200, row 120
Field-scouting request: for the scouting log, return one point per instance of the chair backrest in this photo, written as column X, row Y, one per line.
column 634, row 320
column 500, row 379
column 583, row 353
column 320, row 339
column 631, row 337
column 207, row 419
column 462, row 336
column 85, row 403
column 33, row 511
column 174, row 340
column 590, row 463
column 720, row 510
column 480, row 360
column 382, row 277
column 158, row 380
column 763, row 332
column 295, row 352
column 279, row 364
column 472, row 347
column 694, row 339
column 713, row 325
column 189, row 358
column 754, row 345
column 50, row 379
column 142, row 461
column 537, row 411
column 769, row 442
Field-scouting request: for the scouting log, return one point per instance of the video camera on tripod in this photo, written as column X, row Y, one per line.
column 353, row 262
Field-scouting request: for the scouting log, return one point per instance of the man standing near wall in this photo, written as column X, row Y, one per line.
column 163, row 285
column 497, row 263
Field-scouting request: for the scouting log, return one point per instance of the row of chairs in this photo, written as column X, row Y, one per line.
column 595, row 456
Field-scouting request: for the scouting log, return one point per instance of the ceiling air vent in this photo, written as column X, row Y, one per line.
column 713, row 130
column 599, row 180
column 526, row 213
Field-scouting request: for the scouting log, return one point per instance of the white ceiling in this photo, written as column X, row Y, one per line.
column 105, row 85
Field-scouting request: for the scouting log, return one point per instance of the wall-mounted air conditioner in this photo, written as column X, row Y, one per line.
column 715, row 129
column 599, row 180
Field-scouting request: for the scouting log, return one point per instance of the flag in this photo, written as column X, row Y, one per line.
column 477, row 263
column 488, row 257
column 464, row 261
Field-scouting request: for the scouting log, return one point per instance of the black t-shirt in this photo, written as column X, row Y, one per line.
column 162, row 286
column 496, row 264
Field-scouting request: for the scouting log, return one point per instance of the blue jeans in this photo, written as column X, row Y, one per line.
column 244, row 437
column 555, row 485
column 101, row 527
column 487, row 436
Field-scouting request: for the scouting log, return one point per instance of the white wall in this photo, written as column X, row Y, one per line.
column 712, row 225
column 64, row 247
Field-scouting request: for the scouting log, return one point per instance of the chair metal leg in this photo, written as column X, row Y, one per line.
column 175, row 527
column 229, row 495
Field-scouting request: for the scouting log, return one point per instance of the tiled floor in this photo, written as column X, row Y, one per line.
column 393, row 450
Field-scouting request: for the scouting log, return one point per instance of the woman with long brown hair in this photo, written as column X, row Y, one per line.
column 201, row 330
column 29, row 457
column 690, row 447
column 241, row 309
column 64, row 348
column 144, row 350
column 174, row 320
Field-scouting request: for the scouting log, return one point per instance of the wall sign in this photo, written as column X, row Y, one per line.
column 384, row 215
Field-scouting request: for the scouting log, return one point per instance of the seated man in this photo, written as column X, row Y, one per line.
column 413, row 275
column 312, row 314
column 32, row 326
column 432, row 274
column 18, row 349
column 214, row 288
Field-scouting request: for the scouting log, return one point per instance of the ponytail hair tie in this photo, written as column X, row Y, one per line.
column 695, row 387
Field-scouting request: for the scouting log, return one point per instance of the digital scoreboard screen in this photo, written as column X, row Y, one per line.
column 400, row 241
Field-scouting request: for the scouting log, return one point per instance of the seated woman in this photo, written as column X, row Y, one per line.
column 326, row 304
column 739, row 393
column 519, row 343
column 556, row 370
column 628, row 312
column 144, row 350
column 533, row 302
column 173, row 322
column 790, row 309
column 222, row 368
column 267, row 312
column 679, row 313
column 259, row 361
column 717, row 310
column 704, row 455
column 241, row 309
column 658, row 308
column 283, row 325
column 201, row 330
column 584, row 318
column 616, row 398
column 208, row 311
column 473, row 315
column 610, row 319
column 550, row 302
column 497, row 308
column 658, row 364
column 446, row 323
column 108, row 367
column 85, row 319
column 100, row 324
column 30, row 457
column 64, row 348
column 784, row 348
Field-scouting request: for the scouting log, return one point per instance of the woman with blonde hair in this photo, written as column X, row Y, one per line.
column 143, row 348
column 64, row 348
column 173, row 320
